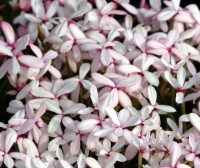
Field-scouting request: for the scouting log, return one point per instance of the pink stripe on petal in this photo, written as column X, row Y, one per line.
column 8, row 32
column 31, row 61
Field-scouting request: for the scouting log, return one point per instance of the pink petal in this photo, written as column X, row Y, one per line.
column 32, row 18
column 179, row 97
column 54, row 72
column 175, row 153
column 94, row 95
column 176, row 4
column 14, row 66
column 36, row 50
column 5, row 51
column 27, row 126
column 68, row 87
column 54, row 124
column 195, row 120
column 113, row 116
column 104, row 132
column 105, row 58
column 66, row 46
column 128, row 69
column 8, row 32
column 131, row 9
column 22, row 43
column 52, row 9
column 31, row 61
column 41, row 92
column 11, row 137
column 171, row 80
column 76, row 31
column 87, row 125
column 152, row 95
column 50, row 55
column 4, row 68
column 40, row 111
column 8, row 161
column 91, row 162
column 102, row 79
column 75, row 146
column 166, row 15
column 181, row 76
column 124, row 99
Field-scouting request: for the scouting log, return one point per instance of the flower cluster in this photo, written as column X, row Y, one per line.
column 99, row 84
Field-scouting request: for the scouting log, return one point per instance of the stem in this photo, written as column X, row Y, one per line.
column 183, row 112
column 140, row 160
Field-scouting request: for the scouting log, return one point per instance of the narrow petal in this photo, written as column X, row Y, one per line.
column 8, row 32
column 179, row 97
column 113, row 115
column 94, row 95
column 5, row 51
column 171, row 80
column 166, row 108
column 36, row 50
column 8, row 161
column 54, row 124
column 175, row 153
column 52, row 9
column 104, row 132
column 42, row 92
column 14, row 66
column 166, row 15
column 31, row 61
column 128, row 69
column 27, row 126
column 87, row 125
column 181, row 75
column 11, row 137
column 152, row 95
column 91, row 162
column 195, row 120
column 84, row 69
column 22, row 43
column 102, row 79
column 124, row 99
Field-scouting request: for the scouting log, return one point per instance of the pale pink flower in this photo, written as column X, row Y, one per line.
column 180, row 85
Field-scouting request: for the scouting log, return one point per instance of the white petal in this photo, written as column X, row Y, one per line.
column 54, row 124
column 87, row 125
column 128, row 69
column 102, row 79
column 14, row 66
column 113, row 115
column 11, row 137
column 195, row 120
column 166, row 108
column 84, row 69
column 152, row 95
column 171, row 80
column 179, row 97
column 6, row 51
column 42, row 92
column 151, row 78
column 181, row 75
column 91, row 162
column 31, row 61
column 52, row 9
column 94, row 95
column 8, row 161
column 166, row 15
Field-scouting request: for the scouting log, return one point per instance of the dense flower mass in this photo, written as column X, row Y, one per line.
column 101, row 84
